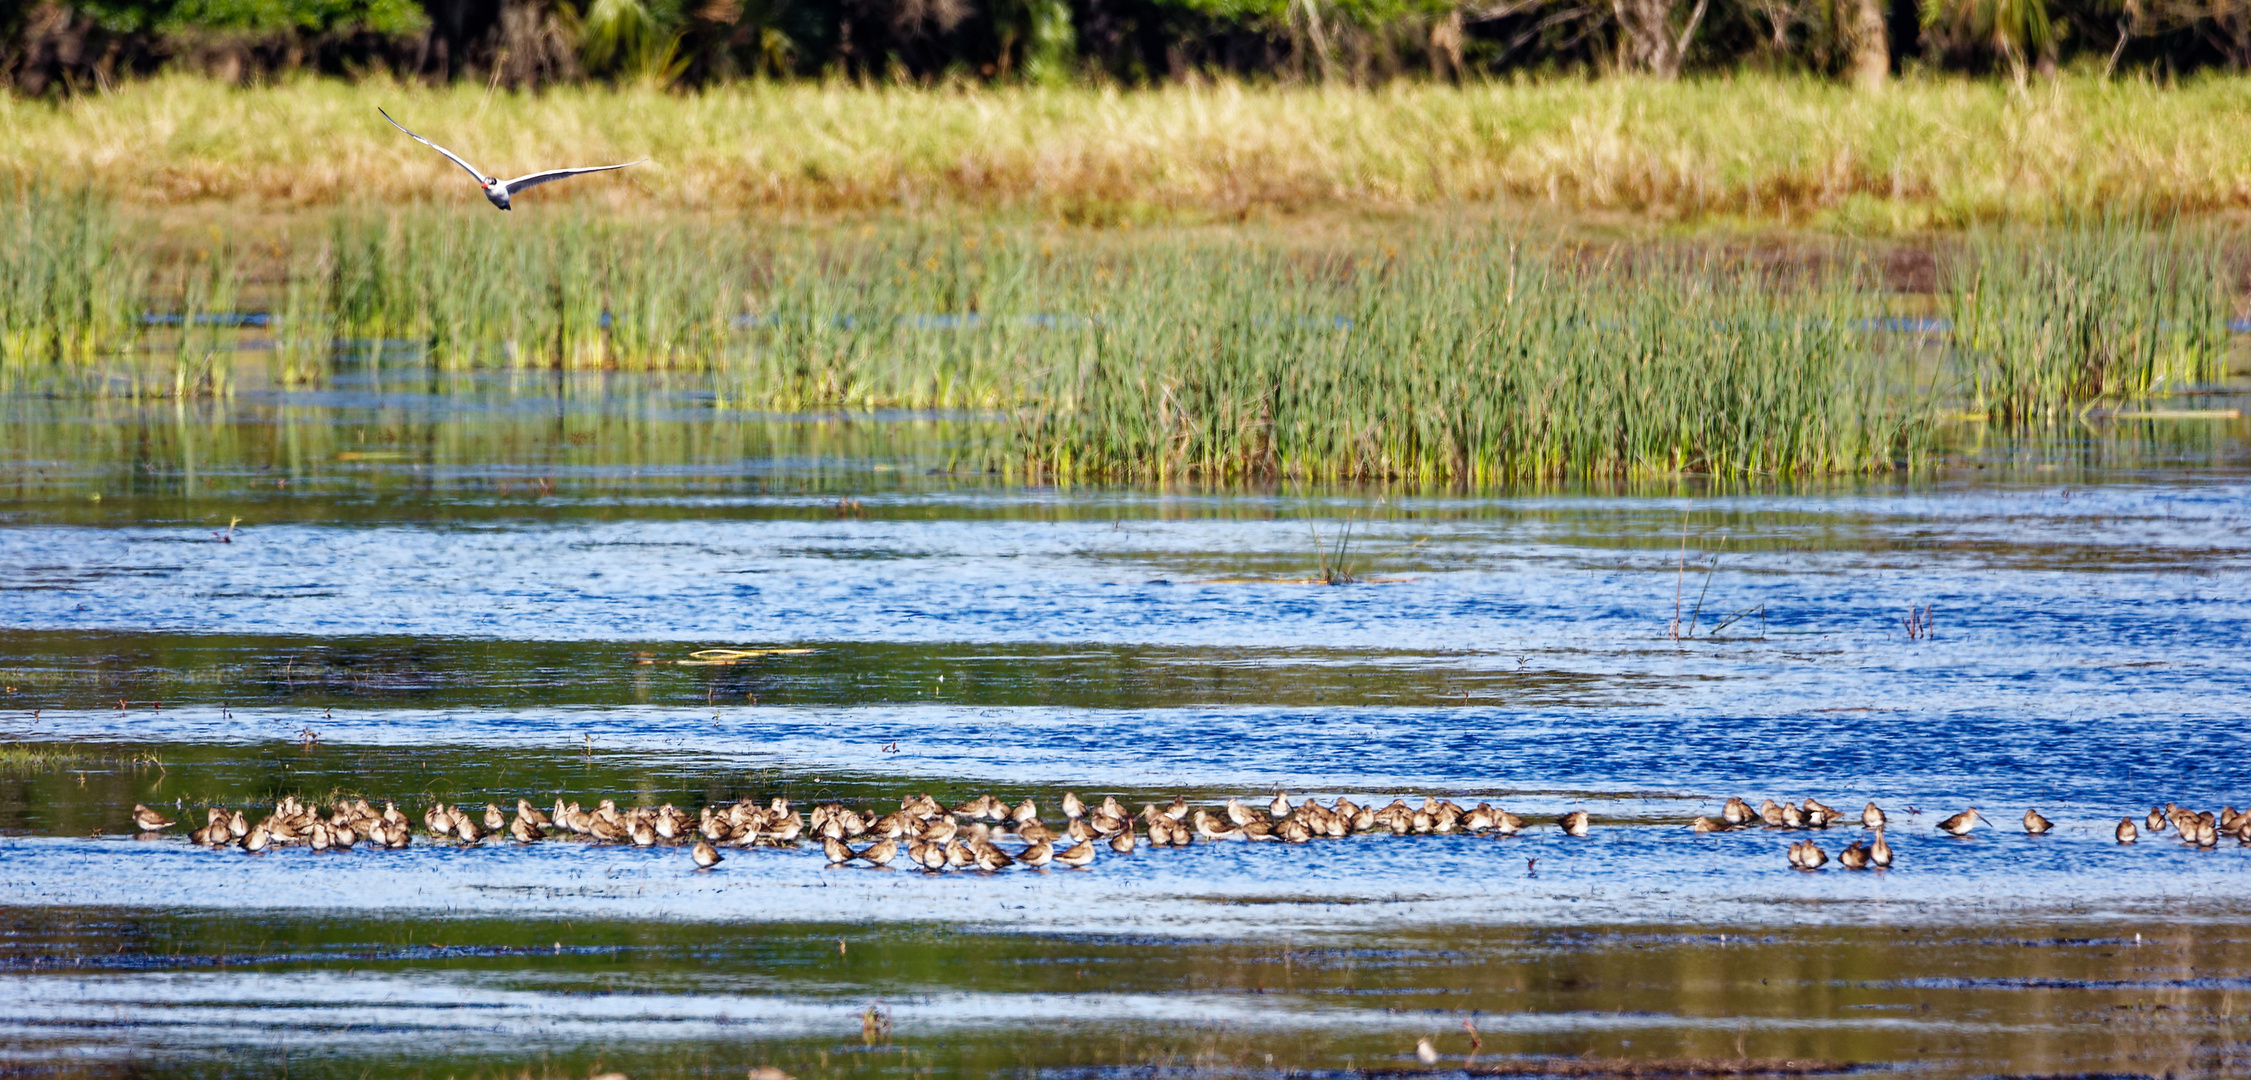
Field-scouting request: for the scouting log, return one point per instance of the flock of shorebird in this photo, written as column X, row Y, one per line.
column 932, row 836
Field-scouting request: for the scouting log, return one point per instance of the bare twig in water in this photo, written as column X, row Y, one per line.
column 1680, row 578
column 1697, row 614
column 1919, row 623
column 1335, row 569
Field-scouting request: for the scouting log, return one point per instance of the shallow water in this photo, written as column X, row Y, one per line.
column 482, row 588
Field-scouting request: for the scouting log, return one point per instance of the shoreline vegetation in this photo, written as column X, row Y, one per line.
column 1467, row 357
column 1742, row 150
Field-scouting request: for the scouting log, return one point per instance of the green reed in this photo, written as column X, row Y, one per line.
column 1467, row 363
column 2047, row 324
column 69, row 290
column 1463, row 357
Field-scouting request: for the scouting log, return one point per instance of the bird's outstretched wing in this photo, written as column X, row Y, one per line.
column 450, row 155
column 532, row 180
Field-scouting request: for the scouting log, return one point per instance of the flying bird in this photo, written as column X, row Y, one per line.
column 497, row 190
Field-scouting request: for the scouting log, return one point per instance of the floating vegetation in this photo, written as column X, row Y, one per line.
column 37, row 757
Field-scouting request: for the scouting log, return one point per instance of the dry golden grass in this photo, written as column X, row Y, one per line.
column 1923, row 153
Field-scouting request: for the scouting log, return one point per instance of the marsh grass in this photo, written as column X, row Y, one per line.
column 1463, row 356
column 38, row 757
column 2049, row 324
column 69, row 288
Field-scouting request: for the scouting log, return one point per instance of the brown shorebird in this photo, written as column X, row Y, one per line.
column 2035, row 824
column 703, row 853
column 2126, row 832
column 524, row 809
column 1704, row 824
column 1872, row 816
column 1961, row 824
column 149, row 820
column 1079, row 854
column 990, row 858
column 881, row 852
column 1574, row 823
column 1854, row 856
column 837, row 853
column 1738, row 812
column 1879, row 853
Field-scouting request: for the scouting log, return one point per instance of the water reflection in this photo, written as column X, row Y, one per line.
column 667, row 999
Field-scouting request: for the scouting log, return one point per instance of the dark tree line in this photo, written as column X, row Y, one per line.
column 61, row 46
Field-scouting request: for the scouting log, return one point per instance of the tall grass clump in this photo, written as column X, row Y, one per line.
column 466, row 290
column 915, row 319
column 2047, row 323
column 1466, row 364
column 69, row 290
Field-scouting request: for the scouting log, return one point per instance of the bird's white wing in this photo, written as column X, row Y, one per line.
column 450, row 155
column 532, row 180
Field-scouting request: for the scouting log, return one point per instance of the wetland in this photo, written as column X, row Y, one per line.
column 1934, row 547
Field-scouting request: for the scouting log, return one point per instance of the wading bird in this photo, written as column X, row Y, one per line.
column 501, row 191
column 1961, row 824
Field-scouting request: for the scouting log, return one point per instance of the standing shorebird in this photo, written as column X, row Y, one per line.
column 1738, row 812
column 1879, row 853
column 1574, row 823
column 149, row 820
column 499, row 191
column 1961, row 824
column 1872, row 816
column 2035, row 824
column 1079, row 854
column 2126, row 833
column 703, row 853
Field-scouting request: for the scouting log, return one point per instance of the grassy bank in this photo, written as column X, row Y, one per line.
column 1923, row 153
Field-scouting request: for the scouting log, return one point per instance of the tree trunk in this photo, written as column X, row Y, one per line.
column 1871, row 44
column 1446, row 38
column 1647, row 41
